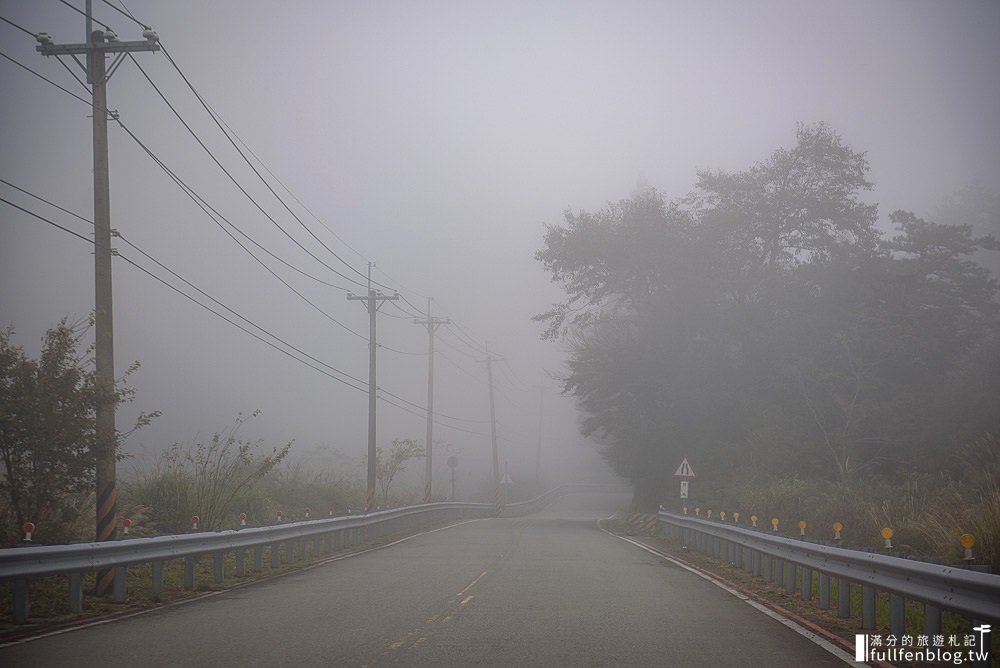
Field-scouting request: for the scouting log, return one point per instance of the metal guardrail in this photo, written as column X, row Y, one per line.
column 22, row 563
column 792, row 562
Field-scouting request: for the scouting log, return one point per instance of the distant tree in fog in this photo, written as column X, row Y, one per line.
column 761, row 324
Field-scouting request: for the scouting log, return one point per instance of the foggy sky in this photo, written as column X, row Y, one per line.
column 435, row 139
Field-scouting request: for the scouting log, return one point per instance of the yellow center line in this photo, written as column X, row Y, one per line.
column 473, row 583
column 420, row 636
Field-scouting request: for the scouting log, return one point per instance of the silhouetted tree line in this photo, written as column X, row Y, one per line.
column 763, row 326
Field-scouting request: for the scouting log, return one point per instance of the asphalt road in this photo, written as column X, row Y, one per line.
column 546, row 590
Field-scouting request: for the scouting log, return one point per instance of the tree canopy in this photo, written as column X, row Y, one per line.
column 763, row 324
column 47, row 433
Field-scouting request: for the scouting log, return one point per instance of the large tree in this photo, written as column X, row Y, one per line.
column 47, row 433
column 759, row 323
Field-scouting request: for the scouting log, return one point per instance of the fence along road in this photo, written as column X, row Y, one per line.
column 540, row 590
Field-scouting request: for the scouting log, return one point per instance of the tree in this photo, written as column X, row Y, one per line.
column 387, row 467
column 674, row 310
column 47, row 431
column 640, row 319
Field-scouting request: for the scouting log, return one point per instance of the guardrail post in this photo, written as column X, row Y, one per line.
column 932, row 620
column 897, row 615
column 807, row 584
column 75, row 592
column 120, row 589
column 20, row 600
column 790, row 570
column 843, row 598
column 755, row 562
column 778, row 577
column 157, row 585
column 275, row 555
column 217, row 567
column 241, row 563
column 824, row 591
column 258, row 558
column 867, row 607
column 189, row 563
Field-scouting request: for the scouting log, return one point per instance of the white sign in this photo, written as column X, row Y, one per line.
column 506, row 480
column 684, row 470
column 684, row 489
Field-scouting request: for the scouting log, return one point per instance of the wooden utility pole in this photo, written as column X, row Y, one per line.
column 432, row 325
column 373, row 302
column 98, row 44
column 493, row 432
column 538, row 452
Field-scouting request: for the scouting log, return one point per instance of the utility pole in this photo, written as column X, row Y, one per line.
column 98, row 44
column 538, row 452
column 432, row 324
column 373, row 302
column 493, row 432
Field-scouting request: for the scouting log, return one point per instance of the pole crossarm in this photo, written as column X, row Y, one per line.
column 106, row 47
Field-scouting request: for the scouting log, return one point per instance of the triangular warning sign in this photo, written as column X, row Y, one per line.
column 684, row 470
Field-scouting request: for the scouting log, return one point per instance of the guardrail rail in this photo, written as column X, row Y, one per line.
column 792, row 563
column 25, row 562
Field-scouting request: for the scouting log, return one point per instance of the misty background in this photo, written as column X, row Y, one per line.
column 434, row 139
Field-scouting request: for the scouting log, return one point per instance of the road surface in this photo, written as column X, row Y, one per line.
column 549, row 589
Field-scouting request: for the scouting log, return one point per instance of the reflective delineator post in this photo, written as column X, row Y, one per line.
column 968, row 540
column 243, row 519
column 29, row 529
column 126, row 523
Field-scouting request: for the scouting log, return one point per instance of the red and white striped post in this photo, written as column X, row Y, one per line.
column 194, row 522
column 126, row 523
column 243, row 519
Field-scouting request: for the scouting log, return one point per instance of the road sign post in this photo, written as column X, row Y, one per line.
column 684, row 472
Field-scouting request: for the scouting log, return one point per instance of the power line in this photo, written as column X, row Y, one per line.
column 202, row 203
column 235, row 182
column 189, row 297
column 46, row 80
column 209, row 211
column 33, row 35
column 83, row 13
column 127, row 14
column 256, row 172
column 50, row 222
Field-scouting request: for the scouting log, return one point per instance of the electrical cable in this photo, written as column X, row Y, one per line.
column 83, row 13
column 47, row 80
column 250, row 164
column 127, row 14
column 33, row 35
column 420, row 410
column 205, row 207
column 233, row 178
